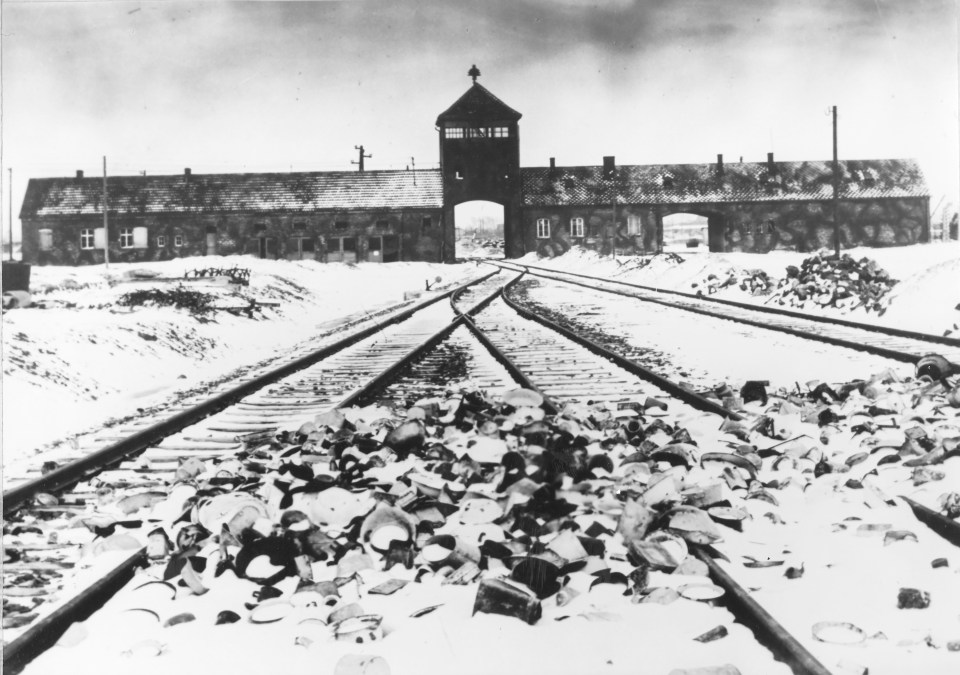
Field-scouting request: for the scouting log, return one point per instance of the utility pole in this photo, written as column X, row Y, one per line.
column 360, row 149
column 10, row 212
column 106, row 232
column 836, row 188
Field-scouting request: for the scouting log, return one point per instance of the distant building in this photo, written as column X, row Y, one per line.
column 383, row 216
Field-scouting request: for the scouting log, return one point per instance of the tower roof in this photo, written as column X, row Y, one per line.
column 478, row 105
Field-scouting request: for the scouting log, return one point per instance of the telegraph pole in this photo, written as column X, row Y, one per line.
column 836, row 188
column 106, row 232
column 359, row 148
column 10, row 212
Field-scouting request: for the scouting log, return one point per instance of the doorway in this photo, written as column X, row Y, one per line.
column 478, row 227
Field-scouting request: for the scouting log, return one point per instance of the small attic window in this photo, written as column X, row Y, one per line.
column 666, row 181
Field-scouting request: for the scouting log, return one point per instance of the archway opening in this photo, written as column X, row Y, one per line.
column 686, row 233
column 479, row 229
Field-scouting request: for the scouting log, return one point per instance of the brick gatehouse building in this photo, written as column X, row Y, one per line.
column 383, row 216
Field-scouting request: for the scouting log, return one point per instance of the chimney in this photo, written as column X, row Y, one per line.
column 553, row 162
column 79, row 174
column 770, row 161
column 187, row 171
column 609, row 166
column 720, row 165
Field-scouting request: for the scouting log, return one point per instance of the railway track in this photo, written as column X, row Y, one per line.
column 897, row 344
column 486, row 345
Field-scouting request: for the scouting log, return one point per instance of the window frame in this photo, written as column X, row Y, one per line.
column 161, row 241
column 89, row 234
column 543, row 228
column 576, row 228
column 178, row 241
column 126, row 237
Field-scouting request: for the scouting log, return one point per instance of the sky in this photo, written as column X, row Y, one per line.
column 224, row 86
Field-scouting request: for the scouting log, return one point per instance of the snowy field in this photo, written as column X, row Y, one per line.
column 77, row 358
column 82, row 359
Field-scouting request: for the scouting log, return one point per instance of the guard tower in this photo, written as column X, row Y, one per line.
column 480, row 160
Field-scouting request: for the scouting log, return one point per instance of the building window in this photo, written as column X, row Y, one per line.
column 383, row 222
column 634, row 225
column 178, row 240
column 46, row 240
column 543, row 228
column 500, row 132
column 666, row 180
column 126, row 237
column 161, row 241
column 576, row 227
column 426, row 223
column 341, row 225
column 304, row 245
column 86, row 239
column 453, row 132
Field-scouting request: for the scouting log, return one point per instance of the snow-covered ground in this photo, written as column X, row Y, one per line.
column 77, row 358
column 83, row 359
column 926, row 298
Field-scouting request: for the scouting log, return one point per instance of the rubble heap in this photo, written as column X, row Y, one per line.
column 755, row 282
column 845, row 283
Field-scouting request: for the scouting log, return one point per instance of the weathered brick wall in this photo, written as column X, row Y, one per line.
column 755, row 227
column 237, row 234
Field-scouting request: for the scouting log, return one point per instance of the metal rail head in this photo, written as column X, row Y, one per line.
column 766, row 629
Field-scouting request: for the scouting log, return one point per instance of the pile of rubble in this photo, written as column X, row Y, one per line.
column 755, row 282
column 820, row 281
column 358, row 523
column 197, row 302
column 845, row 283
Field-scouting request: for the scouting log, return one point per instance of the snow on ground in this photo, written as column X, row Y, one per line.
column 83, row 359
column 925, row 299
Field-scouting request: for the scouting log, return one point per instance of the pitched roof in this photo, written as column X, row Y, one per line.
column 478, row 105
column 699, row 183
column 247, row 192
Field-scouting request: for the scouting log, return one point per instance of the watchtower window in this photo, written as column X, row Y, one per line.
column 453, row 132
column 543, row 228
